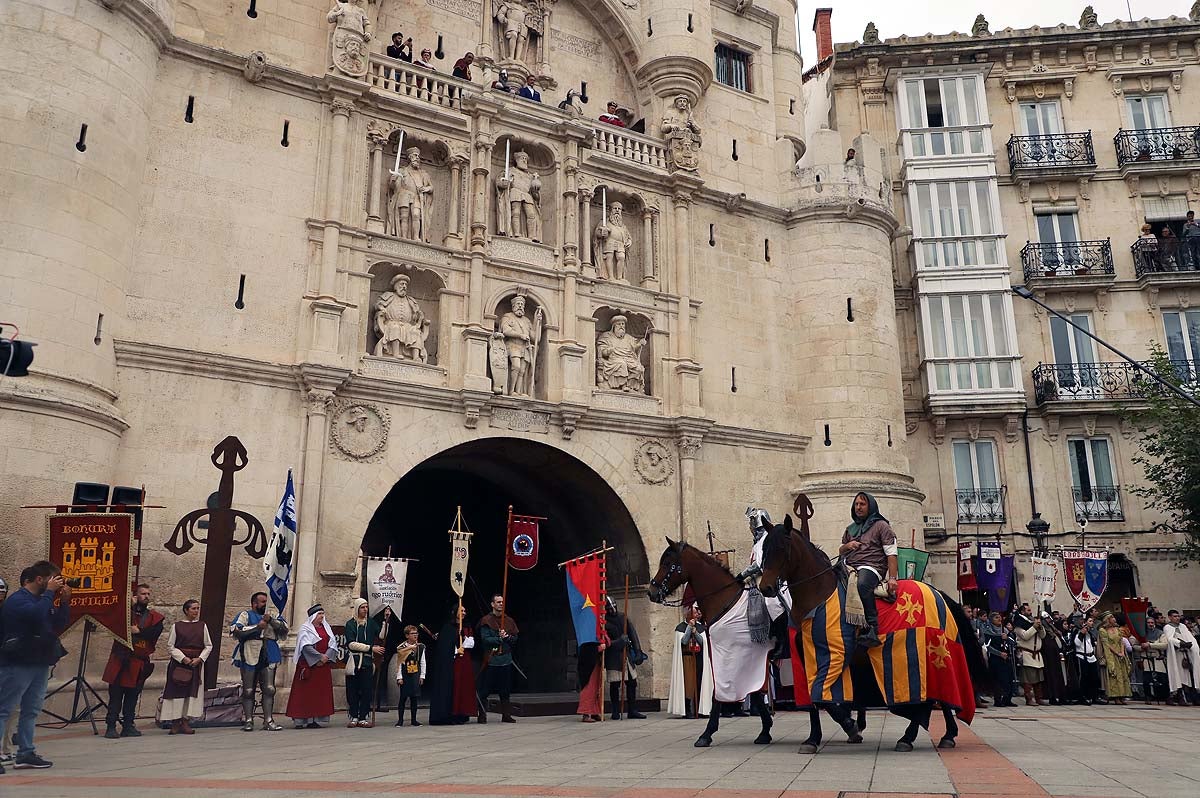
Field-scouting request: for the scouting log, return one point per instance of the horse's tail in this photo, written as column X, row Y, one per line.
column 981, row 676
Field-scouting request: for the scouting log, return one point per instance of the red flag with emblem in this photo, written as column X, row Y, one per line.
column 523, row 541
column 966, row 566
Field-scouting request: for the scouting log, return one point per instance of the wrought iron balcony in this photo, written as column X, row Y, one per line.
column 1102, row 382
column 1099, row 503
column 1158, row 145
column 1059, row 151
column 980, row 505
column 1165, row 255
column 1073, row 258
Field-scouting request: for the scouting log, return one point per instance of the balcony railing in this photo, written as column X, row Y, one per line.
column 390, row 74
column 1099, row 503
column 1152, row 255
column 1053, row 382
column 630, row 146
column 980, row 505
column 1158, row 144
column 1067, row 259
column 1057, row 151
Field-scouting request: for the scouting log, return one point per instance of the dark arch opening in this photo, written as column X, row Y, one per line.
column 484, row 477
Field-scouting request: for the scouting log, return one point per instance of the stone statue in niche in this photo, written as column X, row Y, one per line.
column 401, row 324
column 351, row 32
column 619, row 359
column 610, row 245
column 514, row 350
column 410, row 195
column 514, row 19
column 682, row 133
column 519, row 201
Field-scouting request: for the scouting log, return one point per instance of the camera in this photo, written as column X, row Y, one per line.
column 73, row 582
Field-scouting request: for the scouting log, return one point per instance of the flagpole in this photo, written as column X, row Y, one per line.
column 625, row 651
column 603, row 612
column 504, row 583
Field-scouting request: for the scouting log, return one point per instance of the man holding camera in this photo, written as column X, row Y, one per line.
column 1181, row 660
column 32, row 624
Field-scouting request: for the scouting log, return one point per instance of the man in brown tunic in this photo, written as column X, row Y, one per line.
column 869, row 545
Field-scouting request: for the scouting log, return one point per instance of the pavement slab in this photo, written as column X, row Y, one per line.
column 1034, row 752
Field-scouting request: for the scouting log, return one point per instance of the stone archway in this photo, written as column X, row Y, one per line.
column 484, row 477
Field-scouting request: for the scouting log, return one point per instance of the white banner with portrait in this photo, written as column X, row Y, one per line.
column 385, row 584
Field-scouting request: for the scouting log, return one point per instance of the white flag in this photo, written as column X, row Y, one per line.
column 460, row 553
column 277, row 564
column 385, row 584
column 1045, row 578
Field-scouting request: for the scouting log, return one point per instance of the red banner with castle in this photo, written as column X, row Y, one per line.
column 94, row 552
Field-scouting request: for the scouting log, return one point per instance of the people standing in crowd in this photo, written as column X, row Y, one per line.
column 1151, row 662
column 610, row 115
column 190, row 645
column 393, row 634
column 1114, row 659
column 363, row 645
column 1180, row 655
column 621, row 657
column 1190, row 245
column 1070, row 662
column 311, row 701
column 452, row 700
column 462, row 67
column 1000, row 652
column 1031, row 635
column 691, row 673
column 1086, row 659
column 257, row 657
column 869, row 546
column 129, row 667
column 497, row 638
column 31, row 620
column 410, row 674
column 588, row 665
column 1054, row 676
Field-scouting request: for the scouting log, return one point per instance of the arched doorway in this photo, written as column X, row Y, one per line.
column 484, row 477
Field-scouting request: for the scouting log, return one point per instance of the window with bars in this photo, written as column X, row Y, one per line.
column 733, row 67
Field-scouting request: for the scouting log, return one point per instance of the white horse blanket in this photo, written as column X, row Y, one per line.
column 739, row 666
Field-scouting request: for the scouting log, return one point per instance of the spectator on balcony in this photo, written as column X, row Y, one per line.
column 1168, row 247
column 501, row 83
column 530, row 92
column 1191, row 242
column 425, row 61
column 462, row 67
column 611, row 117
column 1146, row 248
column 400, row 48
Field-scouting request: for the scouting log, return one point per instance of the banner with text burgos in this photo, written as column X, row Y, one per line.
column 94, row 552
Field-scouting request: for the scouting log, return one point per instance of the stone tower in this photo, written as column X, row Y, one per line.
column 847, row 353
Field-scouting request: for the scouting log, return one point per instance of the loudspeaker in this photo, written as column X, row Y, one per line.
column 129, row 496
column 89, row 493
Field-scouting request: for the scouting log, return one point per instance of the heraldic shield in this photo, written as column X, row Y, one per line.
column 1086, row 575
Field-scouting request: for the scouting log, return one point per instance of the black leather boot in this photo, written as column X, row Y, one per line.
column 506, row 711
column 631, row 697
column 614, row 697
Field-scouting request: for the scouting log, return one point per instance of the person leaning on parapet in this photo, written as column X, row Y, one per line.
column 29, row 648
column 1191, row 242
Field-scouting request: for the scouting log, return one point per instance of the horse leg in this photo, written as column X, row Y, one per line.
column 813, row 742
column 905, row 743
column 947, row 740
column 862, row 720
column 758, row 706
column 841, row 716
column 714, row 722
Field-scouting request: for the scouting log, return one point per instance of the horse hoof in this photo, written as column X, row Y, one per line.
column 903, row 747
column 703, row 742
column 807, row 748
column 763, row 739
column 854, row 739
column 946, row 742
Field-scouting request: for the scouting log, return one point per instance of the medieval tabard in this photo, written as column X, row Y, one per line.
column 128, row 669
column 256, row 655
column 183, row 695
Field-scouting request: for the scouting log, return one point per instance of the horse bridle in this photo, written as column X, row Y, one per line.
column 661, row 594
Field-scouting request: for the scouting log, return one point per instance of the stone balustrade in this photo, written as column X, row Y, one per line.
column 390, row 74
column 629, row 146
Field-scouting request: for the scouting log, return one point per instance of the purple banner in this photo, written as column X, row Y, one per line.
column 994, row 574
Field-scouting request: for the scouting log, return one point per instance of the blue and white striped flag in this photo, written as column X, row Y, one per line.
column 277, row 564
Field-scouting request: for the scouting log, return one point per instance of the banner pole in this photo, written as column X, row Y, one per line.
column 458, row 528
column 603, row 613
column 504, row 583
column 625, row 651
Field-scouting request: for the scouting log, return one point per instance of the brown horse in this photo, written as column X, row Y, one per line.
column 717, row 591
column 790, row 557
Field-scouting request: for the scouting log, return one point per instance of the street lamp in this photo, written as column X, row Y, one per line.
column 1025, row 293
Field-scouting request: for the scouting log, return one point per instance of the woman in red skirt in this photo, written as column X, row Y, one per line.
column 311, row 700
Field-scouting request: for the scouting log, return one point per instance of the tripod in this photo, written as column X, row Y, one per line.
column 84, row 692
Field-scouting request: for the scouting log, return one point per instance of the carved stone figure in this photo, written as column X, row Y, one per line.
column 653, row 462
column 1194, row 14
column 520, row 335
column 410, row 195
column 980, row 27
column 514, row 17
column 351, row 32
column 1089, row 21
column 574, row 106
column 870, row 34
column 519, row 201
column 401, row 323
column 619, row 359
column 682, row 133
column 359, row 431
column 610, row 245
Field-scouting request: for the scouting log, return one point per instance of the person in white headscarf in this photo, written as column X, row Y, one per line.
column 1181, row 655
column 311, row 700
column 691, row 671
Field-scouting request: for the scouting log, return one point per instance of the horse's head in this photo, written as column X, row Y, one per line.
column 671, row 573
column 777, row 555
